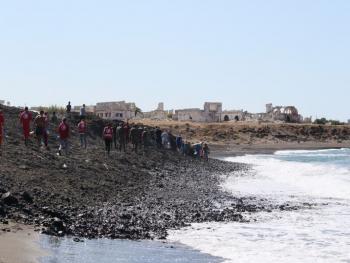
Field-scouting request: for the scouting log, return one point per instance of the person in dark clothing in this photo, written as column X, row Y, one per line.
column 172, row 142
column 198, row 149
column 139, row 137
column 115, row 135
column 54, row 118
column 127, row 132
column 146, row 139
column 158, row 134
column 134, row 138
column 121, row 138
column 206, row 152
column 179, row 142
column 69, row 108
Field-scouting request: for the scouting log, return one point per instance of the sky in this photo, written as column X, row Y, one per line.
column 180, row 52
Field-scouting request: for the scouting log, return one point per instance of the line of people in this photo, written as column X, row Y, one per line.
column 117, row 134
column 141, row 138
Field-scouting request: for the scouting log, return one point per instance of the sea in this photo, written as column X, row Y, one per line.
column 316, row 234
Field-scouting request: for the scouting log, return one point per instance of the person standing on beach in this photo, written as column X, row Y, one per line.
column 121, row 137
column 198, row 150
column 139, row 137
column 2, row 122
column 179, row 142
column 82, row 129
column 40, row 124
column 83, row 112
column 206, row 152
column 108, row 137
column 25, row 119
column 54, row 118
column 146, row 139
column 68, row 109
column 46, row 129
column 134, row 138
column 165, row 139
column 127, row 132
column 158, row 134
column 115, row 135
column 63, row 132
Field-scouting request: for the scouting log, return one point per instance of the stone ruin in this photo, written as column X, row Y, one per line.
column 212, row 112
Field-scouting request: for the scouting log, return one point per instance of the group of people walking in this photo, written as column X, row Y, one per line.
column 41, row 129
column 115, row 134
column 141, row 138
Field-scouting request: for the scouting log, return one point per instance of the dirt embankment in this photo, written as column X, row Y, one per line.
column 128, row 195
column 247, row 134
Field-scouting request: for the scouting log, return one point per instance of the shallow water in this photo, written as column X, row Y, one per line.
column 321, row 234
column 65, row 250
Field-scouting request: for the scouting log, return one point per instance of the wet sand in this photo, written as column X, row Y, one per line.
column 20, row 245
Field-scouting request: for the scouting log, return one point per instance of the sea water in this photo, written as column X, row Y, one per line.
column 319, row 234
column 65, row 250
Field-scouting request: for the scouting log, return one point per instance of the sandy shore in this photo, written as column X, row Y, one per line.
column 20, row 245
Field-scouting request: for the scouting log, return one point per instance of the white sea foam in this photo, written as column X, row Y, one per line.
column 286, row 178
column 320, row 235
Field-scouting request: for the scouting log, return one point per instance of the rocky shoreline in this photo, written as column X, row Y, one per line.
column 125, row 196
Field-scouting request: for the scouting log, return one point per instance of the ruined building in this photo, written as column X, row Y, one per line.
column 283, row 113
column 117, row 110
column 212, row 112
column 276, row 114
column 157, row 114
column 233, row 115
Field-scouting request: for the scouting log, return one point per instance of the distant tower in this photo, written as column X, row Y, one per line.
column 269, row 107
column 160, row 106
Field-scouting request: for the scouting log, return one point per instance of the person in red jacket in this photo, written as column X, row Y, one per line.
column 63, row 132
column 2, row 122
column 26, row 118
column 82, row 129
column 108, row 137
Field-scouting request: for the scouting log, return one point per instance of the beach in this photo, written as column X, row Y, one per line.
column 19, row 244
column 143, row 195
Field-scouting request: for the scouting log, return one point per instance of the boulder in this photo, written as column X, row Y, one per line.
column 58, row 227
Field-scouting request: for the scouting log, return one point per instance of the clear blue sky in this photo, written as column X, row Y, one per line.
column 181, row 52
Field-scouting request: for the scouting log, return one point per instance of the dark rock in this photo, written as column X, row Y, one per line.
column 9, row 199
column 2, row 211
column 76, row 239
column 27, row 197
column 57, row 227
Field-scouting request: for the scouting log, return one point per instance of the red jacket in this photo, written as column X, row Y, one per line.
column 2, row 121
column 82, row 127
column 108, row 133
column 63, row 130
column 26, row 118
